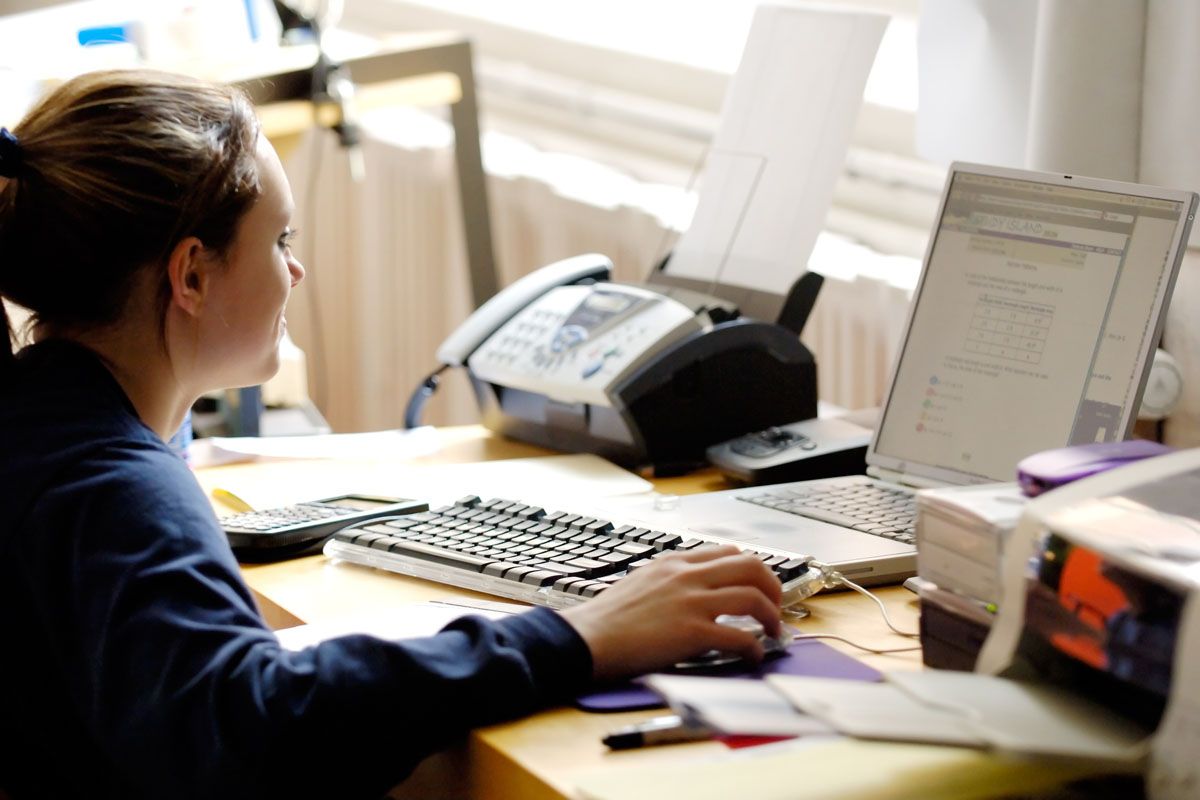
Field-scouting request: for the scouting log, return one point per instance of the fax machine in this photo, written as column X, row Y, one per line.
column 641, row 374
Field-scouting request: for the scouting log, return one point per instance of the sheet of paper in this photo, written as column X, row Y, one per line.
column 558, row 482
column 967, row 709
column 875, row 711
column 402, row 622
column 768, row 179
column 1027, row 718
column 733, row 706
column 397, row 444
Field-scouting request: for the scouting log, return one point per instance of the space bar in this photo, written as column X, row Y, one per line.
column 438, row 555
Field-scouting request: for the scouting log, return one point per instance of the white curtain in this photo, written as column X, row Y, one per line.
column 1107, row 88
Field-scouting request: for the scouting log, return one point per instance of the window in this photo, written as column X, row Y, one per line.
column 639, row 84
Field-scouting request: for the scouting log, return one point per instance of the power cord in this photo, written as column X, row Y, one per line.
column 844, row 581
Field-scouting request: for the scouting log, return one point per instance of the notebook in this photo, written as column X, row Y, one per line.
column 1039, row 306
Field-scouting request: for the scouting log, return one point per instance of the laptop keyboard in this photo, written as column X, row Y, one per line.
column 867, row 507
column 524, row 552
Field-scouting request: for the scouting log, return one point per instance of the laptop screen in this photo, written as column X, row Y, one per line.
column 1039, row 305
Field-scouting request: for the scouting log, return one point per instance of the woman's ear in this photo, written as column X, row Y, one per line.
column 189, row 268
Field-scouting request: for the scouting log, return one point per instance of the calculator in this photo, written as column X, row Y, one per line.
column 299, row 529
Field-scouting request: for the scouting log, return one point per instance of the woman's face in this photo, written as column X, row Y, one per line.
column 245, row 323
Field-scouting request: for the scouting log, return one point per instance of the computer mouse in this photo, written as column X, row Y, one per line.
column 772, row 645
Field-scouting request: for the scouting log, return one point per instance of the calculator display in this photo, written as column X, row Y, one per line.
column 361, row 503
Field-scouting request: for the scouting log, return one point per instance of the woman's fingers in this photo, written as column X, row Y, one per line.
column 728, row 566
column 743, row 601
column 666, row 611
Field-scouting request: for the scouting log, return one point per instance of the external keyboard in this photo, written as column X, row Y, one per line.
column 867, row 507
column 524, row 552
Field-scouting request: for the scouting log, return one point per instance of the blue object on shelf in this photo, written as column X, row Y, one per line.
column 105, row 34
column 248, row 419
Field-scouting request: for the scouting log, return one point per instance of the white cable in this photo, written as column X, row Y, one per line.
column 842, row 579
column 844, row 640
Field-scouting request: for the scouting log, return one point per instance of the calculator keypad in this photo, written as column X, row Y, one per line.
column 278, row 518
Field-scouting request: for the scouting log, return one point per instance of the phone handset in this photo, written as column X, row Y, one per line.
column 502, row 307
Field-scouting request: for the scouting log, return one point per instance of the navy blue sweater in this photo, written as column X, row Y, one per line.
column 134, row 663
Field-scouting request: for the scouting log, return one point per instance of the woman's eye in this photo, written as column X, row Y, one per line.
column 285, row 241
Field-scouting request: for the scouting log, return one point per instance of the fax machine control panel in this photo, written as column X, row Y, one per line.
column 575, row 342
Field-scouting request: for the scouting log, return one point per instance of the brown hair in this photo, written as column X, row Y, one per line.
column 114, row 169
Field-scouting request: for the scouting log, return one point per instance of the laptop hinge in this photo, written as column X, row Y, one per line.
column 901, row 479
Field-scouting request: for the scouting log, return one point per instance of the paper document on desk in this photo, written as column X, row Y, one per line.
column 563, row 482
column 397, row 622
column 735, row 706
column 970, row 710
column 392, row 444
column 768, row 179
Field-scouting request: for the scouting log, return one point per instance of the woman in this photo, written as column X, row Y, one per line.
column 145, row 223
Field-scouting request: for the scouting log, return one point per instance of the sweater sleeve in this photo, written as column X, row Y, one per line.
column 189, row 694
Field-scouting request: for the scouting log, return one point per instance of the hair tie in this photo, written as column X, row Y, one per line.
column 10, row 154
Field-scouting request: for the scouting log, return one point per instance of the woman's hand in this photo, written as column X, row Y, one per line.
column 665, row 612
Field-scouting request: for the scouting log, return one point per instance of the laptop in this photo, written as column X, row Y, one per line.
column 1033, row 326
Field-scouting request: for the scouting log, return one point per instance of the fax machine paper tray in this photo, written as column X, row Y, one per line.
column 709, row 386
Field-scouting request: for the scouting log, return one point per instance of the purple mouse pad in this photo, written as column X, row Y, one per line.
column 805, row 657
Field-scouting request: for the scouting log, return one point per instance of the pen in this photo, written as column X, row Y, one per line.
column 658, row 730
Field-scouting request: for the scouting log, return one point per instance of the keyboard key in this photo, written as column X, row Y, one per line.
column 562, row 568
column 518, row 572
column 620, row 559
column 564, row 584
column 646, row 536
column 497, row 569
column 540, row 578
column 440, row 555
column 666, row 541
column 592, row 567
column 470, row 501
column 792, row 568
column 594, row 553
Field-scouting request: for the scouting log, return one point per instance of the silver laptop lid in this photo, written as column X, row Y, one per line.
column 1040, row 302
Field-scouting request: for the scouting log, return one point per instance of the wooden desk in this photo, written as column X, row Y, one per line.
column 540, row 756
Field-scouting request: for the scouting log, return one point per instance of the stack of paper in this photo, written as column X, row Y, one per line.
column 961, row 532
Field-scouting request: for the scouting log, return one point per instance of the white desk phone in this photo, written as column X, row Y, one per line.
column 643, row 375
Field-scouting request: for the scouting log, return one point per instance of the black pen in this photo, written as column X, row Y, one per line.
column 658, row 730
